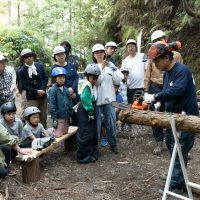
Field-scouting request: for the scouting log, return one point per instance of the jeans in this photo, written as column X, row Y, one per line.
column 157, row 132
column 186, row 141
column 107, row 114
column 7, row 153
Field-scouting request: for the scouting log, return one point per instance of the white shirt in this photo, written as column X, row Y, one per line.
column 136, row 71
column 105, row 85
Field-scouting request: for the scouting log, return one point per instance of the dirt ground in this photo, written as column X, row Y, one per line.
column 132, row 174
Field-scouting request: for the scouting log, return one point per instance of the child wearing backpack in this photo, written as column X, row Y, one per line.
column 87, row 137
column 60, row 102
column 33, row 128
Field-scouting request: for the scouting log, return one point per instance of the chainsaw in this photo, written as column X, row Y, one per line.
column 138, row 102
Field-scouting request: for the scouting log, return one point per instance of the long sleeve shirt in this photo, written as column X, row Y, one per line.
column 179, row 93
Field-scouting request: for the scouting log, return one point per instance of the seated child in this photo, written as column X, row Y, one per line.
column 60, row 102
column 11, row 123
column 33, row 129
column 7, row 141
column 87, row 137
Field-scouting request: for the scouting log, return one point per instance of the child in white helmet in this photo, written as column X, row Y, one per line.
column 33, row 128
column 87, row 137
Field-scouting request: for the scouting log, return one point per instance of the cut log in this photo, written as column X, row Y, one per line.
column 31, row 171
column 160, row 119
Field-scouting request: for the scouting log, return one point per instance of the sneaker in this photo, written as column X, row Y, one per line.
column 172, row 189
column 12, row 172
column 104, row 142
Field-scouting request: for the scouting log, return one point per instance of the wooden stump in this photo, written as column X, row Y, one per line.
column 31, row 171
column 71, row 144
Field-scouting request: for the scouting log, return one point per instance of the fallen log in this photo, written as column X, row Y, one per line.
column 160, row 119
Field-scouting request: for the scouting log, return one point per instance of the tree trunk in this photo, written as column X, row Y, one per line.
column 160, row 119
column 189, row 11
column 31, row 171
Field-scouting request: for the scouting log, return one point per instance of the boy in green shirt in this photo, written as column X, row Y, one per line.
column 87, row 138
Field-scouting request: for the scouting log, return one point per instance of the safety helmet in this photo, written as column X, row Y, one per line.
column 2, row 58
column 92, row 69
column 111, row 44
column 98, row 47
column 30, row 111
column 26, row 51
column 130, row 41
column 8, row 107
column 157, row 34
column 58, row 49
column 161, row 47
column 124, row 69
column 58, row 71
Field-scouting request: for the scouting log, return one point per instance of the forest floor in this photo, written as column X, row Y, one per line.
column 134, row 173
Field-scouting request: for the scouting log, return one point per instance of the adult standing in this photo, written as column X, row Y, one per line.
column 133, row 62
column 6, row 92
column 71, row 78
column 179, row 95
column 110, row 48
column 34, row 80
column 106, row 94
column 70, row 58
column 153, row 83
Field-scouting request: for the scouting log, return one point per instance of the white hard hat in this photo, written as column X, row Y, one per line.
column 58, row 49
column 111, row 44
column 26, row 51
column 98, row 47
column 130, row 41
column 2, row 57
column 157, row 34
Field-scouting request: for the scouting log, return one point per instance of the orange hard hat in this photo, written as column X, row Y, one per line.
column 161, row 47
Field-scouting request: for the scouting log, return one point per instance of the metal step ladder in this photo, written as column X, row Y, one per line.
column 177, row 149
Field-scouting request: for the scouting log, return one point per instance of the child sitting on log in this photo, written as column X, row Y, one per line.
column 60, row 102
column 33, row 129
column 13, row 124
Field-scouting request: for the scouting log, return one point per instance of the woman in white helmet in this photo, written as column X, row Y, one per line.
column 106, row 94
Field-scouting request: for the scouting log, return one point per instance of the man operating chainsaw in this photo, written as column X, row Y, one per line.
column 153, row 83
column 179, row 96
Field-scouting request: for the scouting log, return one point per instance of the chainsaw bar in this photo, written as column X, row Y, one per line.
column 122, row 106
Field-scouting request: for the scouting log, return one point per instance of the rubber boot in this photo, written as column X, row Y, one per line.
column 158, row 149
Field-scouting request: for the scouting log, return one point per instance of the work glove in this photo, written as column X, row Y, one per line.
column 148, row 98
column 55, row 123
column 156, row 106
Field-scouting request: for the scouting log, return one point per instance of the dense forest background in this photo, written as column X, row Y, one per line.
column 43, row 24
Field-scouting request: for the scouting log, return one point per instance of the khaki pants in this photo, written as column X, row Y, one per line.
column 42, row 105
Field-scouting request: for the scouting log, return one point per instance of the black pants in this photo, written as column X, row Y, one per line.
column 7, row 153
column 87, row 138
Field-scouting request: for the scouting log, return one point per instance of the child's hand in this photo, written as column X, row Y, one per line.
column 24, row 151
column 73, row 96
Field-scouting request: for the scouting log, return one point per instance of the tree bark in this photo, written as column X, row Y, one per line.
column 31, row 171
column 160, row 119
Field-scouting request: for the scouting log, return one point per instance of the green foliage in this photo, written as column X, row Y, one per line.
column 14, row 39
